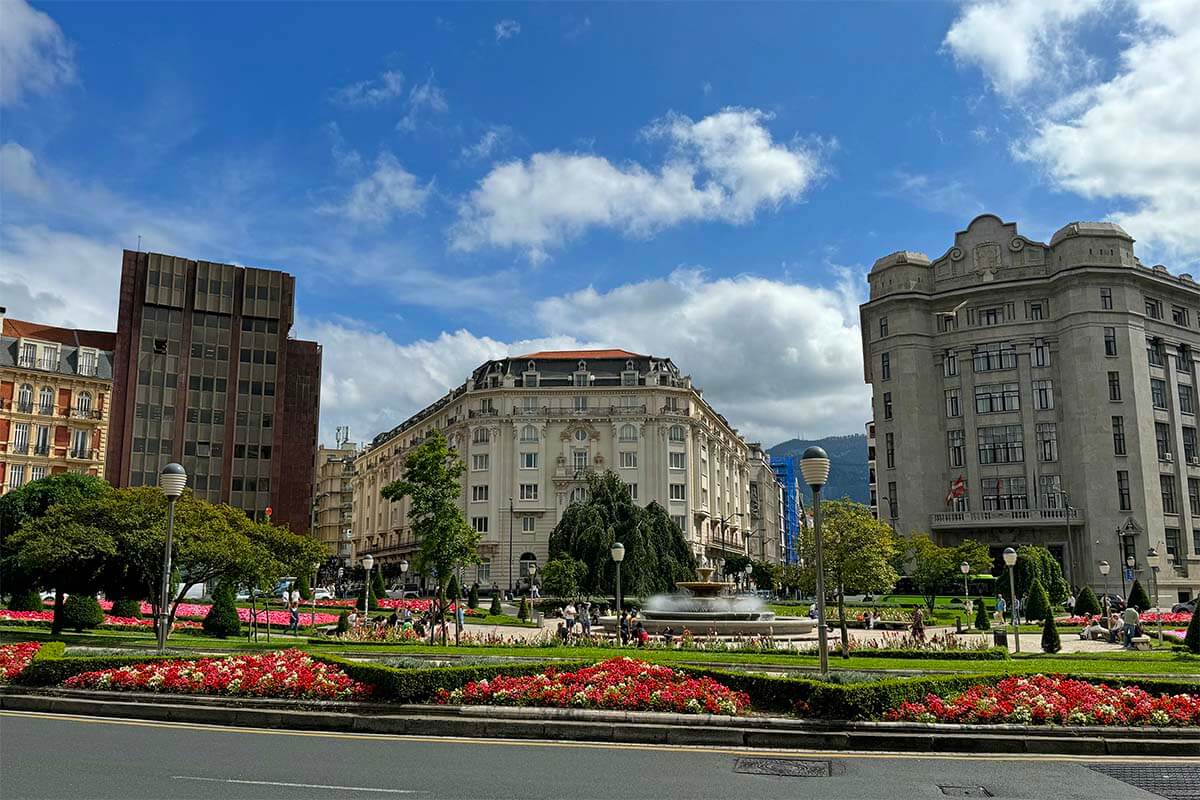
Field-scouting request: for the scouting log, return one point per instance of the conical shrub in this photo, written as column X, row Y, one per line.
column 453, row 591
column 1050, row 641
column 1038, row 605
column 495, row 609
column 1087, row 603
column 222, row 618
column 1191, row 639
column 982, row 621
column 1138, row 597
column 127, row 607
column 473, row 597
column 523, row 610
column 82, row 611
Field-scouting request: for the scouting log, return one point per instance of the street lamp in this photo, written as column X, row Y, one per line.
column 1104, row 568
column 747, row 571
column 814, row 467
column 617, row 551
column 1010, row 560
column 368, row 561
column 532, row 572
column 172, row 480
column 965, row 568
column 1153, row 559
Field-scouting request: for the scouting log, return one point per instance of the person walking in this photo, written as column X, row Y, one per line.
column 585, row 618
column 294, row 617
column 569, row 613
column 918, row 625
column 1016, row 611
column 1001, row 607
column 624, row 628
column 1130, row 619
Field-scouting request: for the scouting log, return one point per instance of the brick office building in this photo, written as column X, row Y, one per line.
column 204, row 373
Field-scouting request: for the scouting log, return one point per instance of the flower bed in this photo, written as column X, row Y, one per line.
column 111, row 623
column 281, row 674
column 1167, row 618
column 619, row 683
column 14, row 658
column 1053, row 700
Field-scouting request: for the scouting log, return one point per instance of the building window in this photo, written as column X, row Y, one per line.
column 1194, row 499
column 1001, row 445
column 997, row 397
column 529, row 380
column 1050, row 492
column 678, row 491
column 1189, row 445
column 83, row 404
column 1180, row 315
column 529, row 434
column 883, row 327
column 580, row 379
column 41, row 442
column 1118, row 428
column 677, row 460
column 1043, row 395
column 1154, row 353
column 676, row 434
column 893, row 501
column 890, row 444
column 87, row 362
column 1041, row 353
column 1185, row 399
column 1162, row 441
column 20, row 438
column 991, row 316
column 953, row 403
column 1166, row 485
column 1005, row 494
column 1114, row 386
column 1153, row 308
column 529, row 404
column 1172, row 539
column 995, row 356
column 581, row 435
column 950, row 363
column 480, row 436
column 479, row 494
column 1123, row 490
column 25, row 399
column 28, row 356
column 628, row 459
column 629, row 433
column 579, row 458
column 16, row 476
column 80, row 444
column 483, row 571
column 480, row 524
column 578, row 494
column 1158, row 392
column 1110, row 341
column 956, row 441
column 632, row 489
column 46, row 401
column 37, row 473
column 479, row 461
column 1047, row 441
column 1036, row 309
column 528, row 523
column 885, row 366
column 529, row 460
column 887, row 405
column 581, row 403
column 529, row 491
column 1106, row 299
column 681, row 521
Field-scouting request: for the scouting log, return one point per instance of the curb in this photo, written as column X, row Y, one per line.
column 609, row 726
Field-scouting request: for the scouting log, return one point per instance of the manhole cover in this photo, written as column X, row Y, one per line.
column 1172, row 781
column 787, row 767
column 964, row 791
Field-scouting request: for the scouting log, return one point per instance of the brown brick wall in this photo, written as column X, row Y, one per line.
column 296, row 436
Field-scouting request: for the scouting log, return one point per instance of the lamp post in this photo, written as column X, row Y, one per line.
column 172, row 481
column 1153, row 559
column 368, row 561
column 814, row 467
column 747, row 571
column 617, row 551
column 965, row 568
column 510, row 547
column 1130, row 562
column 1010, row 560
column 1104, row 568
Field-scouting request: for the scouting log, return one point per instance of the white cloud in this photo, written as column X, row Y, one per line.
column 59, row 277
column 423, row 98
column 507, row 29
column 19, row 174
column 35, row 56
column 723, row 167
column 388, row 191
column 386, row 88
column 493, row 140
column 936, row 193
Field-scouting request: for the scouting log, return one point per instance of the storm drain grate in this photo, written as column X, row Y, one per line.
column 1174, row 782
column 787, row 767
column 964, row 791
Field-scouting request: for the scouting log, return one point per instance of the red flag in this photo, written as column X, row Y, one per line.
column 957, row 489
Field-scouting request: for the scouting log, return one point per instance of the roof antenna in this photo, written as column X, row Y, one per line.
column 139, row 246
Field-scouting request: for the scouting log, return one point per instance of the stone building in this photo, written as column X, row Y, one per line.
column 333, row 497
column 531, row 429
column 55, row 388
column 1058, row 382
column 768, row 521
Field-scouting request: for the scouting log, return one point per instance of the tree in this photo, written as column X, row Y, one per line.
column 1138, row 597
column 26, row 600
column 858, row 553
column 495, row 609
column 82, row 611
column 765, row 575
column 929, row 565
column 1087, row 604
column 982, row 621
column 302, row 587
column 734, row 565
column 1036, row 562
column 222, row 619
column 791, row 578
column 127, row 607
column 1037, row 605
column 453, row 590
column 1050, row 641
column 431, row 482
column 656, row 553
column 562, row 575
column 1191, row 639
column 473, row 596
column 523, row 609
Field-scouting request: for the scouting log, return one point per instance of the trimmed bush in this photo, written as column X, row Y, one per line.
column 523, row 610
column 453, row 590
column 982, row 621
column 82, row 611
column 473, row 596
column 495, row 610
column 1050, row 641
column 47, row 671
column 1037, row 607
column 26, row 601
column 343, row 623
column 127, row 607
column 378, row 589
column 222, row 618
column 1087, row 604
column 1138, row 597
column 303, row 588
column 1191, row 639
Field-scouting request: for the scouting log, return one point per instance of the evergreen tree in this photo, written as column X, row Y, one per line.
column 1087, row 604
column 473, row 596
column 127, row 607
column 222, row 618
column 523, row 609
column 1038, row 604
column 1050, row 640
column 453, row 591
column 1138, row 597
column 82, row 611
column 495, row 610
column 982, row 621
column 378, row 588
column 303, row 588
column 343, row 623
column 1191, row 639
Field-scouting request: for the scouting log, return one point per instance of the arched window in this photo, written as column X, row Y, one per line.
column 528, row 564
column 480, row 436
column 83, row 403
column 46, row 400
column 529, row 434
column 628, row 433
column 578, row 494
column 581, row 435
column 676, row 433
column 25, row 397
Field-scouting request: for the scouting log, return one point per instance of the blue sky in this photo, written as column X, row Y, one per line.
column 710, row 182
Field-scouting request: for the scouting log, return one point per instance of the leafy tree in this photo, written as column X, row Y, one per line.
column 1050, row 641
column 929, row 565
column 1036, row 562
column 1087, row 603
column 735, row 565
column 496, row 609
column 562, row 575
column 975, row 553
column 127, row 607
column 26, row 600
column 1037, row 606
column 523, row 609
column 222, row 619
column 765, row 575
column 302, row 586
column 791, row 578
column 431, row 482
column 82, row 611
column 1138, row 597
column 453, row 590
column 1191, row 639
column 982, row 621
column 656, row 553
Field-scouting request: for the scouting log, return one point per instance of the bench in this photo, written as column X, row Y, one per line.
column 1141, row 643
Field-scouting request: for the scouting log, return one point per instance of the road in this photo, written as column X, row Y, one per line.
column 53, row 756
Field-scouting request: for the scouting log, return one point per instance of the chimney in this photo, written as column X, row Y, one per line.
column 2, row 312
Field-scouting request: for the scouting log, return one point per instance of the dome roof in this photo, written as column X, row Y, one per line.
column 1089, row 229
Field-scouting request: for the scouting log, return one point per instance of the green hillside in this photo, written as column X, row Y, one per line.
column 848, row 463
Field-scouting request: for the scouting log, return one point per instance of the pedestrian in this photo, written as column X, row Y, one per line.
column 1016, row 610
column 460, row 615
column 969, row 607
column 569, row 614
column 535, row 592
column 563, row 632
column 585, row 618
column 624, row 628
column 918, row 625
column 1130, row 617
column 294, row 617
column 1001, row 607
column 393, row 619
column 1070, row 605
column 641, row 635
column 353, row 618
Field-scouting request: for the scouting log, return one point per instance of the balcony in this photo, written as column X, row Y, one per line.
column 667, row 411
column 83, row 413
column 44, row 364
column 41, row 449
column 621, row 411
column 484, row 412
column 1005, row 519
column 84, row 454
column 19, row 448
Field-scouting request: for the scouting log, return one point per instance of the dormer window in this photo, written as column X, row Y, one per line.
column 581, row 377
column 87, row 362
column 629, row 378
column 530, row 379
column 28, row 356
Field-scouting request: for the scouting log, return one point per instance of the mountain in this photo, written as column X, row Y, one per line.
column 847, row 464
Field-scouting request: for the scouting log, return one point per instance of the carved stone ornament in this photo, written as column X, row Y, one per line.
column 1017, row 244
column 956, row 254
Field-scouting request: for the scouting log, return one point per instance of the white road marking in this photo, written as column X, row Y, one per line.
column 297, row 785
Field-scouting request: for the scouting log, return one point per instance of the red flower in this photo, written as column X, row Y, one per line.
column 14, row 658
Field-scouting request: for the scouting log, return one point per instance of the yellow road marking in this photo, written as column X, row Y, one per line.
column 624, row 746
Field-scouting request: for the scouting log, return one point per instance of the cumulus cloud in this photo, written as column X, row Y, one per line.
column 59, row 277
column 936, row 193
column 35, row 56
column 386, row 88
column 389, row 190
column 724, row 167
column 19, row 174
column 493, row 141
column 423, row 99
column 507, row 29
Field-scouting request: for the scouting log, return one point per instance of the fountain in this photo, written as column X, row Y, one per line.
column 706, row 608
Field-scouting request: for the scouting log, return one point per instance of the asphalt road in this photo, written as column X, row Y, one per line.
column 49, row 756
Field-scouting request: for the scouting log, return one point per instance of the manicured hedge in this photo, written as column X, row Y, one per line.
column 990, row 654
column 50, row 667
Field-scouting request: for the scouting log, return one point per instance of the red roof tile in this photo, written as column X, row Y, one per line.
column 573, row 355
column 101, row 340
